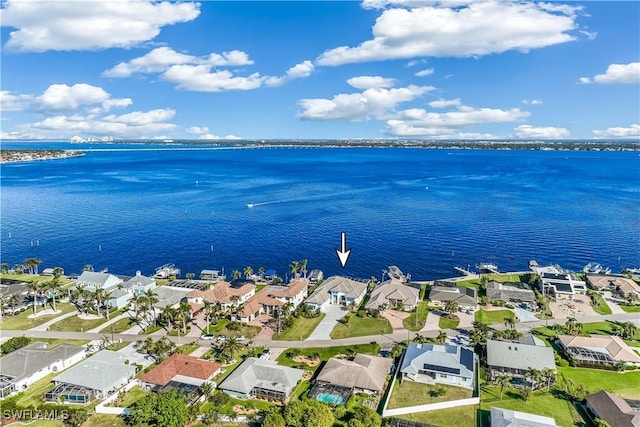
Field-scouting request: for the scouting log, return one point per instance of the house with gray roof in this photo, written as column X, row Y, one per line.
column 613, row 409
column 93, row 280
column 517, row 359
column 363, row 374
column 467, row 298
column 21, row 368
column 510, row 418
column 510, row 292
column 139, row 284
column 96, row 377
column 439, row 364
column 394, row 294
column 337, row 290
column 261, row 378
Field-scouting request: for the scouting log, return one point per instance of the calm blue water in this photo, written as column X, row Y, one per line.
column 424, row 210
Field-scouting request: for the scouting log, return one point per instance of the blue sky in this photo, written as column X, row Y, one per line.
column 372, row 69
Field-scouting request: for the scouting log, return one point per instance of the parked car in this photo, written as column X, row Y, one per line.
column 207, row 337
column 240, row 338
column 223, row 338
column 266, row 354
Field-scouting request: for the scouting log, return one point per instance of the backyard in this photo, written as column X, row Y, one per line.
column 624, row 384
column 361, row 326
column 412, row 393
column 301, row 329
column 327, row 352
column 22, row 321
column 462, row 416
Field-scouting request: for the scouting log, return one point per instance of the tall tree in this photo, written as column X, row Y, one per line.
column 502, row 380
column 35, row 288
column 294, row 267
column 549, row 376
column 235, row 274
column 248, row 272
column 510, row 322
column 4, row 268
column 629, row 330
column 450, row 308
column 303, row 267
column 534, row 375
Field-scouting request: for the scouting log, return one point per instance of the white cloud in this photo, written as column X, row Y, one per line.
column 444, row 103
column 64, row 97
column 10, row 102
column 532, row 102
column 200, row 78
column 374, row 102
column 161, row 58
column 615, row 74
column 534, row 132
column 419, row 122
column 195, row 130
column 480, row 28
column 141, row 118
column 215, row 137
column 369, row 82
column 425, row 73
column 91, row 24
column 633, row 131
column 382, row 4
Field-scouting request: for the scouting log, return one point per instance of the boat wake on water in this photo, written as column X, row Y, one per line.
column 314, row 198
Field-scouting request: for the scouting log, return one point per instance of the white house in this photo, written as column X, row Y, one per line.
column 337, row 290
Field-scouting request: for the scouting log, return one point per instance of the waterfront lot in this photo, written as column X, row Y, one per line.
column 301, row 329
column 76, row 324
column 361, row 326
column 23, row 322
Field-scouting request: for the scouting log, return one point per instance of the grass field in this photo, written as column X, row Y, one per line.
column 301, row 328
column 220, row 328
column 540, row 403
column 134, row 394
column 630, row 308
column 359, row 327
column 102, row 420
column 54, row 342
column 39, row 423
column 445, row 323
column 22, row 321
column 119, row 326
column 422, row 311
column 604, row 328
column 76, row 324
column 328, row 352
column 493, row 316
column 412, row 394
column 624, row 384
column 459, row 417
column 32, row 396
column 599, row 305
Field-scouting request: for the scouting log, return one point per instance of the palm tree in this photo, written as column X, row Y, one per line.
column 502, row 380
column 510, row 322
column 53, row 286
column 4, row 268
column 28, row 264
column 98, row 296
column 261, row 271
column 35, row 288
column 57, row 272
column 629, row 330
column 248, row 272
column 233, row 345
column 573, row 326
column 87, row 267
column 36, row 262
column 534, row 375
column 294, row 267
column 18, row 268
column 549, row 376
column 303, row 267
column 151, row 299
column 442, row 337
column 169, row 313
column 13, row 301
column 185, row 309
column 236, row 274
column 450, row 308
column 106, row 297
column 190, row 276
column 3, row 302
column 420, row 339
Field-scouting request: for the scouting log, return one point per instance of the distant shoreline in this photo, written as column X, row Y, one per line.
column 18, row 156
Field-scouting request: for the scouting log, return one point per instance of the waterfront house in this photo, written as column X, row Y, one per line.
column 617, row 284
column 517, row 359
column 439, row 364
column 273, row 298
column 225, row 294
column 92, row 280
column 139, row 284
column 212, row 275
column 21, row 368
column 339, row 291
column 394, row 294
column 262, row 379
column 98, row 376
column 552, row 280
column 509, row 292
column 363, row 374
column 467, row 298
column 598, row 350
column 510, row 418
column 613, row 409
column 180, row 371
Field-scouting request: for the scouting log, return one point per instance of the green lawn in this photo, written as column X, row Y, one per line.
column 220, row 328
column 76, row 324
column 54, row 342
column 445, row 323
column 459, row 417
column 22, row 321
column 630, row 308
column 361, row 326
column 604, row 328
column 188, row 348
column 133, row 395
column 540, row 403
column 102, row 420
column 32, row 396
column 493, row 316
column 327, row 352
column 599, row 305
column 422, row 312
column 301, row 328
column 118, row 345
column 412, row 394
column 119, row 326
column 39, row 423
column 624, row 384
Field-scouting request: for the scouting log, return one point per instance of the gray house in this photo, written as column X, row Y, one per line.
column 510, row 418
column 363, row 374
column 439, row 364
column 510, row 292
column 337, row 290
column 96, row 377
column 516, row 358
column 21, row 368
column 395, row 294
column 140, row 284
column 467, row 298
column 262, row 379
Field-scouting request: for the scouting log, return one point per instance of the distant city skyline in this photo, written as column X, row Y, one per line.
column 320, row 70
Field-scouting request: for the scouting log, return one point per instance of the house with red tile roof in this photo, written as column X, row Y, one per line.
column 223, row 293
column 273, row 298
column 180, row 371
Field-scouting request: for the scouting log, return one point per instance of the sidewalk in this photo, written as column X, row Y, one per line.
column 45, row 326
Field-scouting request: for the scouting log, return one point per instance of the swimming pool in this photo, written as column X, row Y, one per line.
column 330, row 398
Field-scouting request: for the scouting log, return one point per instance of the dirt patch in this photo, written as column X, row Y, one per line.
column 306, row 360
column 306, row 375
column 241, row 410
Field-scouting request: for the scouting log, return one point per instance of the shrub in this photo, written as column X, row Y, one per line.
column 13, row 344
column 233, row 326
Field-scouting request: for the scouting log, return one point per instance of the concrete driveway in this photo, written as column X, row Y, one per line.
column 333, row 313
column 395, row 318
column 613, row 302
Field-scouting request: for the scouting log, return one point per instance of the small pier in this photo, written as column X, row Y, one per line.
column 486, row 267
column 462, row 271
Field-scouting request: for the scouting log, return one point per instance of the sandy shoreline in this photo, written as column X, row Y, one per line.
column 17, row 156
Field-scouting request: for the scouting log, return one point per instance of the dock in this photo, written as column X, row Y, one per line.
column 462, row 271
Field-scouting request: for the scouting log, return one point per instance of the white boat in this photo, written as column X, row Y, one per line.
column 249, row 205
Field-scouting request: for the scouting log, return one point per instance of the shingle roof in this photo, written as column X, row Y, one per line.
column 180, row 364
column 364, row 372
column 461, row 294
column 99, row 372
column 613, row 345
column 31, row 358
column 261, row 373
column 613, row 409
column 351, row 289
column 289, row 291
column 445, row 358
column 519, row 356
column 92, row 278
column 140, row 281
column 510, row 418
column 393, row 289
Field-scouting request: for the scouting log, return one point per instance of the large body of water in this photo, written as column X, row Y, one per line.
column 132, row 208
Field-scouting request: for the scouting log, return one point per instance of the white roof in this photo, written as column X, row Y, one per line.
column 102, row 371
